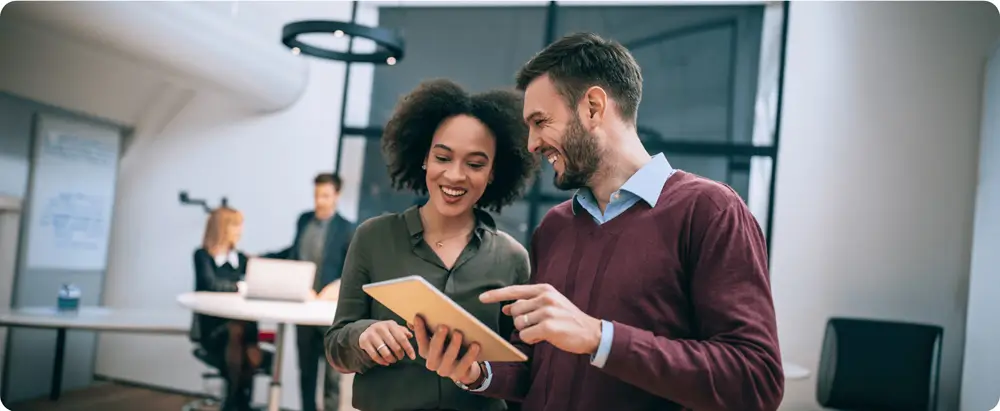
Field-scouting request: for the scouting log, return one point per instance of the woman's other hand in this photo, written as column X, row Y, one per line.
column 387, row 342
column 441, row 348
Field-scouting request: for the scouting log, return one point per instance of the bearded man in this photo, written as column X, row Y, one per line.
column 649, row 288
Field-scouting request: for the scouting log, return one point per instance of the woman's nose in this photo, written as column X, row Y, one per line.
column 454, row 172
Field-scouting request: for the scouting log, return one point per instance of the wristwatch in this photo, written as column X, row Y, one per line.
column 478, row 382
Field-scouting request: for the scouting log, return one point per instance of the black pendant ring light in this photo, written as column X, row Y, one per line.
column 389, row 50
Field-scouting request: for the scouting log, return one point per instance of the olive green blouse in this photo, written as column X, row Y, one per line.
column 392, row 246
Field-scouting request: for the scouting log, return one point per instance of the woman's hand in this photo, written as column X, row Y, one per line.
column 387, row 342
column 443, row 357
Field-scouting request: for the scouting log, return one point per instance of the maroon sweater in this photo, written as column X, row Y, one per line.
column 685, row 285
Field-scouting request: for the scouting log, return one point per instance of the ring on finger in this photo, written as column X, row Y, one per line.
column 524, row 319
column 380, row 347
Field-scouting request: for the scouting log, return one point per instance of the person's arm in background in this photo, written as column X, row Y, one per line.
column 343, row 350
column 205, row 278
column 285, row 254
column 510, row 381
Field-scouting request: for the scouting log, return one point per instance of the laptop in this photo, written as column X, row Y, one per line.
column 279, row 280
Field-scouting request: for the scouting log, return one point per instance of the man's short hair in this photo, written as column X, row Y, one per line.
column 328, row 178
column 579, row 61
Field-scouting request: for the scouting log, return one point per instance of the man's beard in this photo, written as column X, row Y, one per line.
column 581, row 157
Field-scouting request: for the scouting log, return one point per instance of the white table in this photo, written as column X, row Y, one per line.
column 794, row 371
column 234, row 306
column 92, row 319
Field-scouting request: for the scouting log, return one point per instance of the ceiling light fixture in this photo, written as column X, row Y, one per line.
column 389, row 45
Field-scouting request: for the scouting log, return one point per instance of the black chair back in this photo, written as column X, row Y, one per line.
column 879, row 365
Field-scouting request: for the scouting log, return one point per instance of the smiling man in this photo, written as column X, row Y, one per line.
column 649, row 288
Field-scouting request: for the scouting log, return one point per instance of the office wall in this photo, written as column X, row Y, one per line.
column 29, row 352
column 980, row 376
column 263, row 164
column 877, row 172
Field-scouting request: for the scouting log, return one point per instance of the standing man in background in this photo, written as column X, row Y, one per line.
column 321, row 236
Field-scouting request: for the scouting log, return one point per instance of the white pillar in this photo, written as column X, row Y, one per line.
column 877, row 172
column 980, row 375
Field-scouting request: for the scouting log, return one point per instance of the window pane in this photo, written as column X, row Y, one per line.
column 513, row 220
column 699, row 65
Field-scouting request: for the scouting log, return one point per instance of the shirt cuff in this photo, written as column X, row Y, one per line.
column 604, row 348
column 487, row 381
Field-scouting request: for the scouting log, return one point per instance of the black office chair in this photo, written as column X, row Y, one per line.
column 879, row 365
column 210, row 400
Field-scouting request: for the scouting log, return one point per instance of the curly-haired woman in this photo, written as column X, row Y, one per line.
column 466, row 153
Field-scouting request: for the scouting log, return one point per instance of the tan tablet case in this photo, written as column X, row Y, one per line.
column 412, row 295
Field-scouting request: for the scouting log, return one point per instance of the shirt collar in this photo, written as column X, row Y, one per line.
column 484, row 223
column 232, row 257
column 647, row 183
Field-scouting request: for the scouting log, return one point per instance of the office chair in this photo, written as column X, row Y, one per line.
column 213, row 400
column 879, row 365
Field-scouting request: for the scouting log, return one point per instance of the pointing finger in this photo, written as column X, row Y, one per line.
column 514, row 292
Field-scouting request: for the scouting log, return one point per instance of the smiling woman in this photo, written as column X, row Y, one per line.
column 467, row 153
column 439, row 112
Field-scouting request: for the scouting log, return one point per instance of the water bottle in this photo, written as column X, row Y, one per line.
column 69, row 298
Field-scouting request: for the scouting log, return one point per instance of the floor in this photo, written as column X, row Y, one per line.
column 107, row 397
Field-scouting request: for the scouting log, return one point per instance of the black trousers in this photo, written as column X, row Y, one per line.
column 310, row 346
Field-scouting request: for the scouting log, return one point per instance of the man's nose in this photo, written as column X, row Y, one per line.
column 533, row 142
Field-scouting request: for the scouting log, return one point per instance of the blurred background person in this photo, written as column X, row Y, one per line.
column 231, row 344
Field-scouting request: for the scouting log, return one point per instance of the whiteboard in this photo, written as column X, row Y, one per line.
column 73, row 173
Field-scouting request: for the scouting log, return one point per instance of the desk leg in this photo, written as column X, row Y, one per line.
column 57, row 367
column 274, row 394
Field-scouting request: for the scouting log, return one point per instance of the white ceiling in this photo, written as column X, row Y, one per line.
column 114, row 59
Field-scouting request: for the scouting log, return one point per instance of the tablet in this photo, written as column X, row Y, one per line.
column 412, row 295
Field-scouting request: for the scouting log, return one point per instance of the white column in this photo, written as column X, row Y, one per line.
column 980, row 375
column 877, row 172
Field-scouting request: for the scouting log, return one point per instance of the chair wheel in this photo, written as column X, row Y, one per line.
column 202, row 405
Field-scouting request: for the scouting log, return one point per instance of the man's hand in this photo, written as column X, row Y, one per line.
column 331, row 292
column 543, row 314
column 386, row 342
column 443, row 358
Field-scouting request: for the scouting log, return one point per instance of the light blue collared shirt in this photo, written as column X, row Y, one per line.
column 645, row 185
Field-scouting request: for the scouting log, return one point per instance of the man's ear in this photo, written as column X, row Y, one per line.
column 594, row 106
